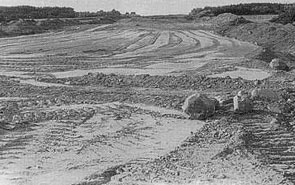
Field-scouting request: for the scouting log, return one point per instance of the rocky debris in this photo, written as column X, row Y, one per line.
column 275, row 108
column 278, row 64
column 265, row 94
column 30, row 26
column 218, row 151
column 199, row 106
column 9, row 115
column 228, row 19
column 257, row 82
column 278, row 39
column 242, row 104
column 148, row 81
column 17, row 119
column 274, row 143
column 198, row 82
column 29, row 111
column 224, row 100
column 204, row 13
column 242, row 93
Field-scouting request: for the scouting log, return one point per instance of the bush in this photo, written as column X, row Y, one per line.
column 29, row 12
column 243, row 9
column 286, row 17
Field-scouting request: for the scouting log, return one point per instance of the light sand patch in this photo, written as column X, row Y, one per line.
column 204, row 41
column 174, row 67
column 114, row 70
column 141, row 43
column 98, row 28
column 19, row 74
column 41, row 84
column 245, row 73
column 62, row 153
column 227, row 42
column 162, row 40
column 20, row 56
column 11, row 99
column 164, row 68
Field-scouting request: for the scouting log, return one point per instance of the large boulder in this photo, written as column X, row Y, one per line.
column 199, row 106
column 242, row 104
column 279, row 64
column 265, row 94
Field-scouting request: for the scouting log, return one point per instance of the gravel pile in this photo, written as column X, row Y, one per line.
column 147, row 81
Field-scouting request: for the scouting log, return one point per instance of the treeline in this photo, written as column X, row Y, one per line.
column 285, row 17
column 114, row 14
column 30, row 12
column 244, row 9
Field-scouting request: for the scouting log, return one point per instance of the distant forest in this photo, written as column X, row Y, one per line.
column 244, row 9
column 30, row 12
column 286, row 17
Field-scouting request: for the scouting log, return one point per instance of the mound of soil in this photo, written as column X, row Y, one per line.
column 21, row 27
column 26, row 27
column 228, row 19
column 275, row 36
column 279, row 40
column 162, row 82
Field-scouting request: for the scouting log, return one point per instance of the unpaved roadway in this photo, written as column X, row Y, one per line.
column 66, row 151
column 80, row 139
column 115, row 48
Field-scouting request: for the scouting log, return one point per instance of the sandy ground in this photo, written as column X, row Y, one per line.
column 95, row 132
column 66, row 151
column 115, row 48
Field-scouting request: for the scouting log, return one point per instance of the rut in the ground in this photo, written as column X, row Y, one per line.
column 276, row 144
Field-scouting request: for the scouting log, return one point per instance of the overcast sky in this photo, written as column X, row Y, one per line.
column 143, row 7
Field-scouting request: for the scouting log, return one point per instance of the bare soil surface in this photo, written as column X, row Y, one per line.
column 103, row 106
column 117, row 47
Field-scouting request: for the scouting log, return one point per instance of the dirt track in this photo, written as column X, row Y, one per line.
column 113, row 48
column 65, row 151
column 78, row 130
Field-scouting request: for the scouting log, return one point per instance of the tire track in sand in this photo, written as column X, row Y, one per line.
column 276, row 145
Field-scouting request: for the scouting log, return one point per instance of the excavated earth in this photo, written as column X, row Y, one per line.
column 102, row 105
